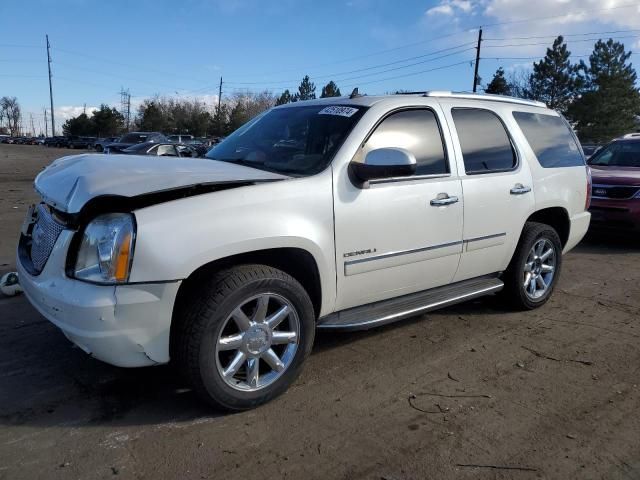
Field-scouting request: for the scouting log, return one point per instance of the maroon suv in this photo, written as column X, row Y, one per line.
column 615, row 201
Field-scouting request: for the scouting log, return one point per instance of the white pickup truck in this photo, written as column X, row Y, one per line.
column 341, row 213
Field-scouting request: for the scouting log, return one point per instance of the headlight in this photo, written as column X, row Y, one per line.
column 106, row 249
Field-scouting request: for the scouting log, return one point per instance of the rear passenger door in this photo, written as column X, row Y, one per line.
column 496, row 183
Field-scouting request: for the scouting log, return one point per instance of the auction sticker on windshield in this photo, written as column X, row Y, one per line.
column 341, row 111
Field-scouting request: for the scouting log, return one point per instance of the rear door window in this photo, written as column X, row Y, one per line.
column 550, row 139
column 486, row 146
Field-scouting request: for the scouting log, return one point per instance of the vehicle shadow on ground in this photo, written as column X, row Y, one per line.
column 66, row 387
column 616, row 243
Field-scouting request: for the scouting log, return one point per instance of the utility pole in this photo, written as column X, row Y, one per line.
column 53, row 122
column 475, row 73
column 33, row 128
column 46, row 127
column 220, row 106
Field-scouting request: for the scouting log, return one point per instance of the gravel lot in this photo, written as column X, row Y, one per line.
column 474, row 391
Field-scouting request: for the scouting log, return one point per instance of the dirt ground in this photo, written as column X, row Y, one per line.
column 474, row 391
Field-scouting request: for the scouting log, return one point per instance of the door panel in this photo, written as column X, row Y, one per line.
column 497, row 191
column 390, row 240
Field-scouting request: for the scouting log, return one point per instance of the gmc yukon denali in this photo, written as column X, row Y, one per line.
column 340, row 214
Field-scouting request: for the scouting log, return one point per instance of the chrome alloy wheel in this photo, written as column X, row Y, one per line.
column 539, row 269
column 257, row 342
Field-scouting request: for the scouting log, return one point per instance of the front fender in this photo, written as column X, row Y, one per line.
column 176, row 238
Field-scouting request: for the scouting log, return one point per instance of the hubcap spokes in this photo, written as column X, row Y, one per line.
column 539, row 269
column 257, row 342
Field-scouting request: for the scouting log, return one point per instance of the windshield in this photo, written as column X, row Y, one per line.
column 298, row 141
column 618, row 154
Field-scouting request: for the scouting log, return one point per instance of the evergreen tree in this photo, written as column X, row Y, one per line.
column 330, row 90
column 107, row 121
column 284, row 98
column 306, row 90
column 611, row 102
column 498, row 84
column 152, row 119
column 80, row 125
column 555, row 80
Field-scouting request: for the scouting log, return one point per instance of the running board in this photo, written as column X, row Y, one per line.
column 394, row 309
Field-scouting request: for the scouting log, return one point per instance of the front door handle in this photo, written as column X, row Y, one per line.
column 520, row 189
column 443, row 199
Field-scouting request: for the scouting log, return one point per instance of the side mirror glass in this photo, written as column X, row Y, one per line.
column 384, row 163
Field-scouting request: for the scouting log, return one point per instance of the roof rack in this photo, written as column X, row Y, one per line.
column 484, row 96
column 632, row 135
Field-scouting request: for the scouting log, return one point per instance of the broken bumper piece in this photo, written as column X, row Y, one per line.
column 124, row 325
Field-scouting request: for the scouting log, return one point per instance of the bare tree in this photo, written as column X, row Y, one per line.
column 519, row 82
column 10, row 109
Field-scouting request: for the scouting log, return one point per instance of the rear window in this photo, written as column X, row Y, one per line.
column 550, row 139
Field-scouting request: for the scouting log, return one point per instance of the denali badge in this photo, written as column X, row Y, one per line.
column 359, row 252
column 599, row 192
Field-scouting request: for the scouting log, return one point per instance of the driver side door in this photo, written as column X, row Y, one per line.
column 394, row 237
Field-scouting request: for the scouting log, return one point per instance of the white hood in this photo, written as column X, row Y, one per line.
column 70, row 182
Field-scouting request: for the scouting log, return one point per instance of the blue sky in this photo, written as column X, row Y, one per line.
column 182, row 48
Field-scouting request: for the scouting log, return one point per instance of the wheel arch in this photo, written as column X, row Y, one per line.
column 555, row 217
column 297, row 262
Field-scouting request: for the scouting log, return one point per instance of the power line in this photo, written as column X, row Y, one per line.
column 547, row 43
column 552, row 17
column 470, row 62
column 563, row 35
column 338, row 74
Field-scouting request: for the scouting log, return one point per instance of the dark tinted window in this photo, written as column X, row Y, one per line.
column 618, row 154
column 486, row 147
column 133, row 138
column 550, row 138
column 414, row 130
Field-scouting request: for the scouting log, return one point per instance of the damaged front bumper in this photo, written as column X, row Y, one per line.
column 124, row 325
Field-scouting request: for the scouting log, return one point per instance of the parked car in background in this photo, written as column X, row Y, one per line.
column 4, row 138
column 180, row 138
column 100, row 143
column 133, row 138
column 57, row 141
column 40, row 141
column 615, row 200
column 161, row 150
column 590, row 148
column 336, row 214
column 81, row 142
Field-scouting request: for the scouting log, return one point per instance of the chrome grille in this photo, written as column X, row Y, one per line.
column 618, row 192
column 43, row 237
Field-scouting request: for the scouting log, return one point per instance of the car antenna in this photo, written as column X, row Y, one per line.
column 355, row 93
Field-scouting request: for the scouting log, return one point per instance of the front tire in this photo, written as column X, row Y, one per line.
column 244, row 336
column 535, row 267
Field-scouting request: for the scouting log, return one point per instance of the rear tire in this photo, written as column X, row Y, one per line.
column 535, row 267
column 244, row 335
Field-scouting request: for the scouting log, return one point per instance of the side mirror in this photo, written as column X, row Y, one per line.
column 384, row 163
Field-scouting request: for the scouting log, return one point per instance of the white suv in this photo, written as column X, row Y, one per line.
column 341, row 213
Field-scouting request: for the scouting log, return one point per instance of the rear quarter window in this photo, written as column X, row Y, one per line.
column 550, row 139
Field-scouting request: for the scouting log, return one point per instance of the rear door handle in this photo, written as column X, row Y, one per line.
column 442, row 200
column 520, row 189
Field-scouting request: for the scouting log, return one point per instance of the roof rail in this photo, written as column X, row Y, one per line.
column 484, row 96
column 632, row 135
